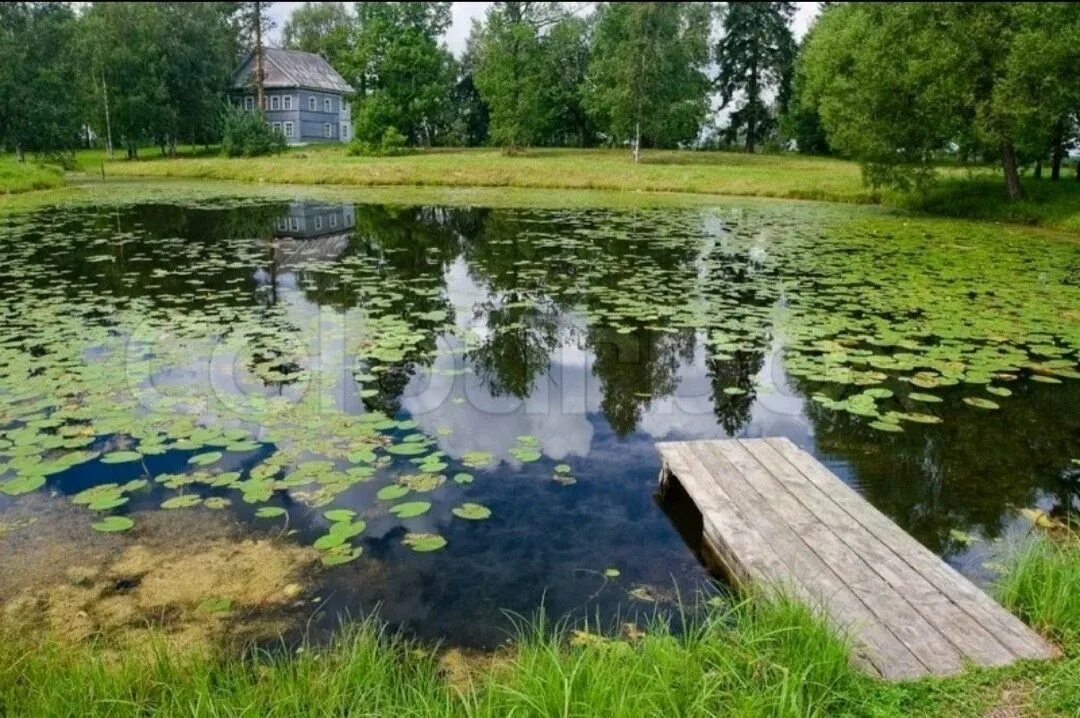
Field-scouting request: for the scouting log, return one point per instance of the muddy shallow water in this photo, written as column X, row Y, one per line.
column 449, row 413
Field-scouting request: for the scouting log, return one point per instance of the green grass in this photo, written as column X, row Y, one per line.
column 17, row 177
column 968, row 192
column 753, row 658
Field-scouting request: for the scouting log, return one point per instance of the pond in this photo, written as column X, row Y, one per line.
column 457, row 406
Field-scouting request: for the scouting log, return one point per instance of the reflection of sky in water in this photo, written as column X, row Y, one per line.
column 551, row 541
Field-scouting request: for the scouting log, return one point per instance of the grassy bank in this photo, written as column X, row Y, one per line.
column 17, row 177
column 965, row 193
column 751, row 659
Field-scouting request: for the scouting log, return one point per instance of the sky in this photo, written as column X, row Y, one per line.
column 464, row 12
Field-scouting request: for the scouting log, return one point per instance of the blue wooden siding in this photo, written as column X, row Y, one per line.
column 308, row 125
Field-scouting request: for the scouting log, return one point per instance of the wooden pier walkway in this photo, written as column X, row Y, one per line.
column 776, row 517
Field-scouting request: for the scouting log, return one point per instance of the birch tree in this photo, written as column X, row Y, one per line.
column 646, row 81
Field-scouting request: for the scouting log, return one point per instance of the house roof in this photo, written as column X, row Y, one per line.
column 291, row 68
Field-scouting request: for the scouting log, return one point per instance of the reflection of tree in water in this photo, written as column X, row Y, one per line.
column 636, row 368
column 521, row 335
column 733, row 409
column 968, row 472
column 521, row 315
column 394, row 266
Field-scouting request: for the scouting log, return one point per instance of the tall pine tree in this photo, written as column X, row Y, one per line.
column 755, row 55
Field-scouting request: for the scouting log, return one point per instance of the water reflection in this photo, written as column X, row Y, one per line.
column 569, row 328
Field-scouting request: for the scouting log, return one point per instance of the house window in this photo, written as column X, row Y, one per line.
column 275, row 103
column 344, row 105
column 276, row 127
column 312, row 103
column 327, row 131
column 283, row 224
column 344, row 131
column 333, row 220
column 288, row 129
column 286, row 102
column 249, row 103
column 266, row 103
column 327, row 105
column 318, row 221
column 294, row 224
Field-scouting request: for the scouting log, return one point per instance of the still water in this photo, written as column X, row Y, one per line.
column 458, row 406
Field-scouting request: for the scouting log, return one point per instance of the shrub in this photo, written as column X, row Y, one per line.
column 391, row 144
column 246, row 134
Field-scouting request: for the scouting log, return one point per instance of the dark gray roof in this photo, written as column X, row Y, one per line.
column 291, row 68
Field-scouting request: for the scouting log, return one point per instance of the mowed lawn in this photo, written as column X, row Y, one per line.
column 968, row 192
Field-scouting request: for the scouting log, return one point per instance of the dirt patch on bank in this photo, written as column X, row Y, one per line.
column 189, row 579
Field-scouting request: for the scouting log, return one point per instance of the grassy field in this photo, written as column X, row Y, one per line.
column 973, row 193
column 16, row 177
column 755, row 658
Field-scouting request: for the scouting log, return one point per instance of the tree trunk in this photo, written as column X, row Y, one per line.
column 108, row 121
column 1038, row 168
column 637, row 142
column 259, row 76
column 19, row 154
column 1057, row 154
column 1012, row 175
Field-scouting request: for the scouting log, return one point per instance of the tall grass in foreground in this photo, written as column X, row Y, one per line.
column 1042, row 586
column 16, row 177
column 753, row 658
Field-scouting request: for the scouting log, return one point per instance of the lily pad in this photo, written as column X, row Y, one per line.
column 392, row 492
column 205, row 459
column 424, row 543
column 184, row 501
column 980, row 403
column 410, row 509
column 113, row 524
column 270, row 512
column 471, row 511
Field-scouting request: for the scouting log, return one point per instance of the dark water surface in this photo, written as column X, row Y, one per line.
column 526, row 361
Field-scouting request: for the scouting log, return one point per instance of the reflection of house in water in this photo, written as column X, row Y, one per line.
column 315, row 219
column 313, row 231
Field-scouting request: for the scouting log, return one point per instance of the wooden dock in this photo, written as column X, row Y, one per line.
column 777, row 518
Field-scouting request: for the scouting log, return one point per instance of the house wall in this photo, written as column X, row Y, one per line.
column 308, row 125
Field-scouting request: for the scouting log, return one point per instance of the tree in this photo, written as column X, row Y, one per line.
column 39, row 111
column 564, row 60
column 406, row 77
column 324, row 28
column 897, row 85
column 508, row 56
column 755, row 55
column 646, row 79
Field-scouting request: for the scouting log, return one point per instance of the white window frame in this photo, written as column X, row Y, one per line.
column 286, row 102
column 312, row 103
column 327, row 105
column 276, row 127
column 294, row 224
column 344, row 105
column 287, row 127
column 333, row 220
column 249, row 103
column 318, row 221
column 344, row 130
column 328, row 131
column 275, row 103
column 283, row 224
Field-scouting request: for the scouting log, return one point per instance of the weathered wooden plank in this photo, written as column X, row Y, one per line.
column 965, row 635
column 877, row 601
column 780, row 520
column 1007, row 628
column 840, row 603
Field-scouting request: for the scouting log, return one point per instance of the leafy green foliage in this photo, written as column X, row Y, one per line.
column 755, row 56
column 246, row 134
column 646, row 81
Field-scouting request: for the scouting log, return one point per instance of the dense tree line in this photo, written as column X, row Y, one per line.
column 897, row 86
